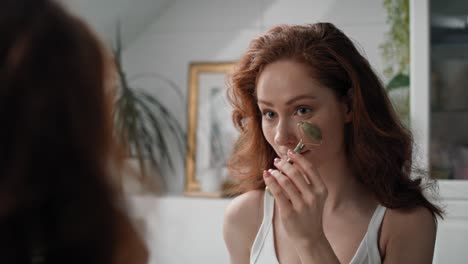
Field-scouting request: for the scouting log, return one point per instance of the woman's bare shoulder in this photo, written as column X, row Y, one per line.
column 410, row 220
column 245, row 209
column 242, row 219
column 410, row 233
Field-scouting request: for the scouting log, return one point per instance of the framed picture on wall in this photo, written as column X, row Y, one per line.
column 210, row 132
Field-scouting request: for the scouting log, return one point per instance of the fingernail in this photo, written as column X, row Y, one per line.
column 270, row 171
column 277, row 160
column 266, row 174
column 290, row 152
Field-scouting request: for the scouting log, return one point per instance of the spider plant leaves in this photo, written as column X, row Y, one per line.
column 165, row 125
column 144, row 125
column 148, row 125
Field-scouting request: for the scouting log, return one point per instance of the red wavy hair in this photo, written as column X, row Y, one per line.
column 379, row 148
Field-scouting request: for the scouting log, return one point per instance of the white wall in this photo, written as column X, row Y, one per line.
column 451, row 233
column 103, row 15
column 182, row 230
column 189, row 230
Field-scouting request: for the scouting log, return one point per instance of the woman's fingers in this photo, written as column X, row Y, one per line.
column 317, row 193
column 288, row 187
column 296, row 186
column 295, row 175
column 308, row 169
column 275, row 189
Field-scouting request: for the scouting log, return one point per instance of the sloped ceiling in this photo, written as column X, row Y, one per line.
column 104, row 15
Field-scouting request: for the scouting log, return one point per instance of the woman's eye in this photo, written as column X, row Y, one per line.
column 303, row 111
column 268, row 114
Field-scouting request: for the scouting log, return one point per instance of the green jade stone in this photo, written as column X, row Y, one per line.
column 311, row 131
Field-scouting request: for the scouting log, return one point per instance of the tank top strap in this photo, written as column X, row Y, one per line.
column 368, row 251
column 373, row 232
column 268, row 207
column 265, row 228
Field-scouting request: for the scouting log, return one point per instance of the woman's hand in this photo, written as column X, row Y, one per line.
column 300, row 194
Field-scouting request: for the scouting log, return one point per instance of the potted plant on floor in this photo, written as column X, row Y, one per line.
column 145, row 126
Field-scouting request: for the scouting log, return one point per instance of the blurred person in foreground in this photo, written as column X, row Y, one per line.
column 57, row 202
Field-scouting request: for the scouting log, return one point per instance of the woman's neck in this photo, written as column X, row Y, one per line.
column 344, row 189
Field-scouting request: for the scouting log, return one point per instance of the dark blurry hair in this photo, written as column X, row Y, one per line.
column 56, row 141
column 379, row 148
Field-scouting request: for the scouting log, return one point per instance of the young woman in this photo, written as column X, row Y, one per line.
column 57, row 204
column 348, row 200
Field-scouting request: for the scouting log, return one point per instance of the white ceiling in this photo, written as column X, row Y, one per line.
column 103, row 15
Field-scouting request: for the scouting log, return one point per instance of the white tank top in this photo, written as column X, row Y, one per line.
column 263, row 249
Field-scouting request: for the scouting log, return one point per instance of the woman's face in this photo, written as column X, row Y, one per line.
column 286, row 95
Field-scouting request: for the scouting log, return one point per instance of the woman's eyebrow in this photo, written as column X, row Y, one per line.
column 300, row 97
column 290, row 101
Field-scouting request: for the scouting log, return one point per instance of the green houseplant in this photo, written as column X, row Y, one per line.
column 395, row 52
column 144, row 125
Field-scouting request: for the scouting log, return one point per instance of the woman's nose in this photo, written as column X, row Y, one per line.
column 285, row 134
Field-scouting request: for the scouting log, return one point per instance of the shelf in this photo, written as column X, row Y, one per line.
column 204, row 194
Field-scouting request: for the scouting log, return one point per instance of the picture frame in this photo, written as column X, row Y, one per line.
column 210, row 131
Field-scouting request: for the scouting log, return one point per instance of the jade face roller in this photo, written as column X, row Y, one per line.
column 309, row 135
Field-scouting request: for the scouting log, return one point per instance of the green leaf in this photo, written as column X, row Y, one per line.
column 171, row 121
column 399, row 80
column 142, row 122
column 395, row 49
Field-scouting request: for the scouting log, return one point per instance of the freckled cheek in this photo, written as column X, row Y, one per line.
column 268, row 133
